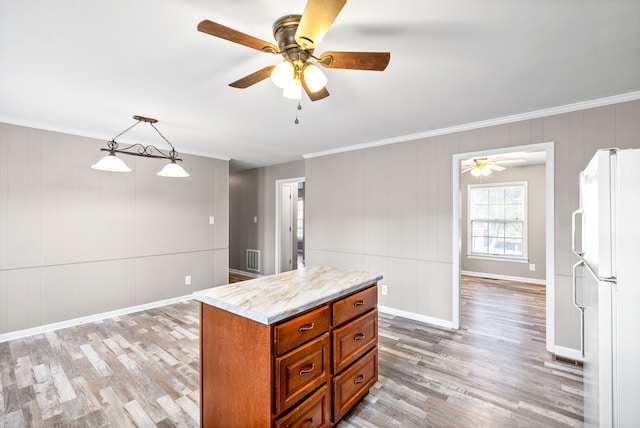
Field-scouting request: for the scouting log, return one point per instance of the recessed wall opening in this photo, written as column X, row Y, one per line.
column 488, row 235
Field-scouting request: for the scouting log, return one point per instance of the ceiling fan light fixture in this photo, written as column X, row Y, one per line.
column 111, row 163
column 283, row 74
column 293, row 90
column 485, row 169
column 475, row 171
column 314, row 77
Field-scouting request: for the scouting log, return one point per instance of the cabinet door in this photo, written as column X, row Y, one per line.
column 314, row 412
column 301, row 371
column 354, row 339
column 354, row 383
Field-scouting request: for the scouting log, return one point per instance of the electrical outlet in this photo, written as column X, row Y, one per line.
column 383, row 289
column 212, row 220
column 255, row 218
column 187, row 280
column 532, row 266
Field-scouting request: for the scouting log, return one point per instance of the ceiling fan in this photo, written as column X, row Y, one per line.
column 297, row 36
column 484, row 166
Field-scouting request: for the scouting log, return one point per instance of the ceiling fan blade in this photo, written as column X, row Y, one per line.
column 466, row 169
column 509, row 161
column 497, row 167
column 253, row 78
column 236, row 36
column 313, row 96
column 316, row 19
column 376, row 61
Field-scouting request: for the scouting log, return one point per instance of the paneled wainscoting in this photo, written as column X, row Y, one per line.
column 141, row 370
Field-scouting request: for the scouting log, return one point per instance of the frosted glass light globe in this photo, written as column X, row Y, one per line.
column 283, row 74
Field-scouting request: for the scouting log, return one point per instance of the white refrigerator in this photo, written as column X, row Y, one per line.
column 608, row 294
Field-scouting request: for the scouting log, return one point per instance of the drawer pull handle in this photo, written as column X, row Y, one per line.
column 361, row 336
column 307, row 369
column 358, row 302
column 306, row 327
column 307, row 423
column 359, row 380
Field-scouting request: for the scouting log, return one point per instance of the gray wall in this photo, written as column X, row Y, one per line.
column 75, row 241
column 534, row 175
column 253, row 193
column 388, row 209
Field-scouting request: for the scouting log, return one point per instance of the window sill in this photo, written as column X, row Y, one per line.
column 498, row 258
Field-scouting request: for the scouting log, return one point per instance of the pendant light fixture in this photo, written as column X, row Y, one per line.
column 114, row 164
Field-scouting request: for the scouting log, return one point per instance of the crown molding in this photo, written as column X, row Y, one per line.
column 600, row 102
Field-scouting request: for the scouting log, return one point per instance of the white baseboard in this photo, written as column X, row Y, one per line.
column 567, row 353
column 244, row 273
column 416, row 317
column 18, row 334
column 505, row 277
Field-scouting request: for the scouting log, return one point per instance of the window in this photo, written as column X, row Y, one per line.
column 300, row 220
column 497, row 220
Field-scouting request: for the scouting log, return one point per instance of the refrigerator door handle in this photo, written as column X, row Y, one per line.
column 575, row 288
column 573, row 233
column 580, row 307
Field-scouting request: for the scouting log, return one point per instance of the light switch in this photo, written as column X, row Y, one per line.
column 212, row 220
column 255, row 218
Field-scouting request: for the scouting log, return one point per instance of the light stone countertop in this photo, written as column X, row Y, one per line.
column 272, row 298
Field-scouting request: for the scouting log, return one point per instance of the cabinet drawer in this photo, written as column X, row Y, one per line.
column 350, row 386
column 301, row 371
column 354, row 339
column 301, row 329
column 311, row 413
column 354, row 305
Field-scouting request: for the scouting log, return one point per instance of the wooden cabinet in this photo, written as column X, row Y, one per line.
column 300, row 329
column 352, row 340
column 354, row 383
column 307, row 370
column 301, row 372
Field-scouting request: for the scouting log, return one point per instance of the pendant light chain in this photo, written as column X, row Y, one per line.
column 127, row 130
column 173, row 152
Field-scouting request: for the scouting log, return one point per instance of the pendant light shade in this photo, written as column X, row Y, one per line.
column 172, row 169
column 111, row 163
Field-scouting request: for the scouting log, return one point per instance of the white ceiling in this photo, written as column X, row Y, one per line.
column 88, row 66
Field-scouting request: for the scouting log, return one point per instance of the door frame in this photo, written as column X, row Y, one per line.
column 548, row 148
column 279, row 184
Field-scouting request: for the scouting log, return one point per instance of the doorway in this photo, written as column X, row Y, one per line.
column 289, row 224
column 548, row 149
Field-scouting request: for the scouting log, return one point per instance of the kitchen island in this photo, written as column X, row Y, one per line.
column 297, row 349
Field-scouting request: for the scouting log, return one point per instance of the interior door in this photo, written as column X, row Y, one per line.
column 286, row 228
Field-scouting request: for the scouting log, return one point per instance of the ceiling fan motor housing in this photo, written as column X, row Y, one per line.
column 284, row 31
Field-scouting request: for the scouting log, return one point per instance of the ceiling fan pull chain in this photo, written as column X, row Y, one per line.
column 299, row 108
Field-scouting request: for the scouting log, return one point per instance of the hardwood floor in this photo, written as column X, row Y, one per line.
column 142, row 370
column 493, row 372
column 237, row 277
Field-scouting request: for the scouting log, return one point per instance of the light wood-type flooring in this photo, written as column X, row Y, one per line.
column 141, row 370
